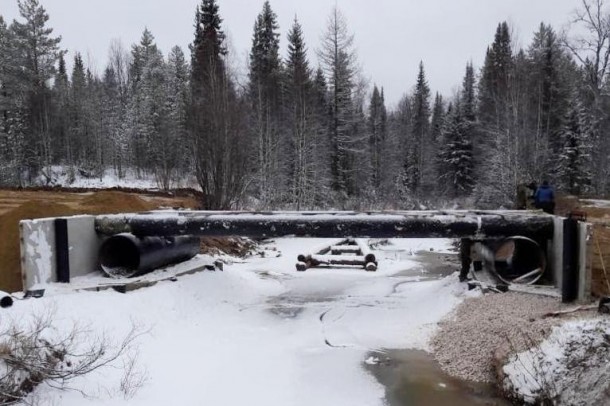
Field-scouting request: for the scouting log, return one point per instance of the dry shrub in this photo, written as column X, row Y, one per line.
column 233, row 246
column 37, row 354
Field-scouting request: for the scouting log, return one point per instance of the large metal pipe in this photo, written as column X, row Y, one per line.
column 125, row 255
column 519, row 260
column 414, row 224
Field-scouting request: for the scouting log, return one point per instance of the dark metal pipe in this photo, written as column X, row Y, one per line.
column 415, row 224
column 125, row 255
column 519, row 260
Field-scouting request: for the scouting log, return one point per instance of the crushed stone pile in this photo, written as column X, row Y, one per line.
column 486, row 328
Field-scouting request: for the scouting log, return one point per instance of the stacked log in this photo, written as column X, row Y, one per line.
column 347, row 253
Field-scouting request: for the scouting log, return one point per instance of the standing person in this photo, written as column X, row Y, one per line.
column 465, row 256
column 545, row 198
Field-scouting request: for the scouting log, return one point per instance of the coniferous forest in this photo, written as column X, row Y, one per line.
column 299, row 135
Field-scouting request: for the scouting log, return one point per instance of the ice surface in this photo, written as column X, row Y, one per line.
column 259, row 333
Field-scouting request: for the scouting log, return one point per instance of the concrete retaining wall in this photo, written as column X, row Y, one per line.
column 39, row 250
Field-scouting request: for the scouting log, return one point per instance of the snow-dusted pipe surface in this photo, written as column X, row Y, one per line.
column 125, row 255
column 5, row 299
column 395, row 224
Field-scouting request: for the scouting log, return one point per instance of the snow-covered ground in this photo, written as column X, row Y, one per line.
column 570, row 367
column 62, row 176
column 602, row 204
column 259, row 333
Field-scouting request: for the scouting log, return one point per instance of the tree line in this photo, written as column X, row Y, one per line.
column 300, row 136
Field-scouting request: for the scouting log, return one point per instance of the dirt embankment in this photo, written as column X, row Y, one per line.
column 17, row 205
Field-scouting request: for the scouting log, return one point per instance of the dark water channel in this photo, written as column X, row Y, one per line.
column 414, row 378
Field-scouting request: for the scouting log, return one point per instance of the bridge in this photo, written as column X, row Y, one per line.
column 74, row 242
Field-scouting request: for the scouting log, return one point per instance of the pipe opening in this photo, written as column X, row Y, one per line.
column 519, row 260
column 119, row 256
column 6, row 301
column 126, row 256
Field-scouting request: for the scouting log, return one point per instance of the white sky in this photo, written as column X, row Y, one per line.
column 391, row 36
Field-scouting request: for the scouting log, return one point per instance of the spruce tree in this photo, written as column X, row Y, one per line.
column 574, row 163
column 78, row 125
column 61, row 95
column 323, row 120
column 177, row 106
column 469, row 129
column 111, row 121
column 215, row 118
column 12, row 111
column 305, row 143
column 456, row 155
column 339, row 62
column 38, row 52
column 438, row 117
column 145, row 103
column 468, row 95
column 494, row 148
column 265, row 96
column 377, row 135
column 550, row 79
column 493, row 87
column 422, row 149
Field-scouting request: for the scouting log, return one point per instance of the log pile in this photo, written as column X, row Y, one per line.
column 347, row 252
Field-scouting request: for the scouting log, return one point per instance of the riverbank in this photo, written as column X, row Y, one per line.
column 508, row 340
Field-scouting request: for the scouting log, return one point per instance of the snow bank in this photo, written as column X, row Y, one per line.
column 63, row 176
column 570, row 367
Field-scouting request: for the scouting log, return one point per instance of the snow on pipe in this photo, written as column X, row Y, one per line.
column 5, row 299
column 125, row 255
column 455, row 224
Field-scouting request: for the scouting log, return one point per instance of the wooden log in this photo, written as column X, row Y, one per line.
column 322, row 249
column 345, row 249
column 422, row 224
column 363, row 244
column 338, row 260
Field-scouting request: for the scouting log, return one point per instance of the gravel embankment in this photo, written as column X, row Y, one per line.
column 470, row 337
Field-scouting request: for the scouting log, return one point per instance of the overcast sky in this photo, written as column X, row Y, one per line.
column 391, row 36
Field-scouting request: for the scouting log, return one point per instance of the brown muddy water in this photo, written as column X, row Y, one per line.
column 414, row 378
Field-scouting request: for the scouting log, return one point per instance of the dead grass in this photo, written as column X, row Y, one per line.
column 237, row 247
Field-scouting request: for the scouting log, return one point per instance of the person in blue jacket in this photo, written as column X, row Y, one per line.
column 544, row 198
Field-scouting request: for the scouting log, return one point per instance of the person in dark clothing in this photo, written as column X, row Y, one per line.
column 465, row 252
column 544, row 198
column 469, row 256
